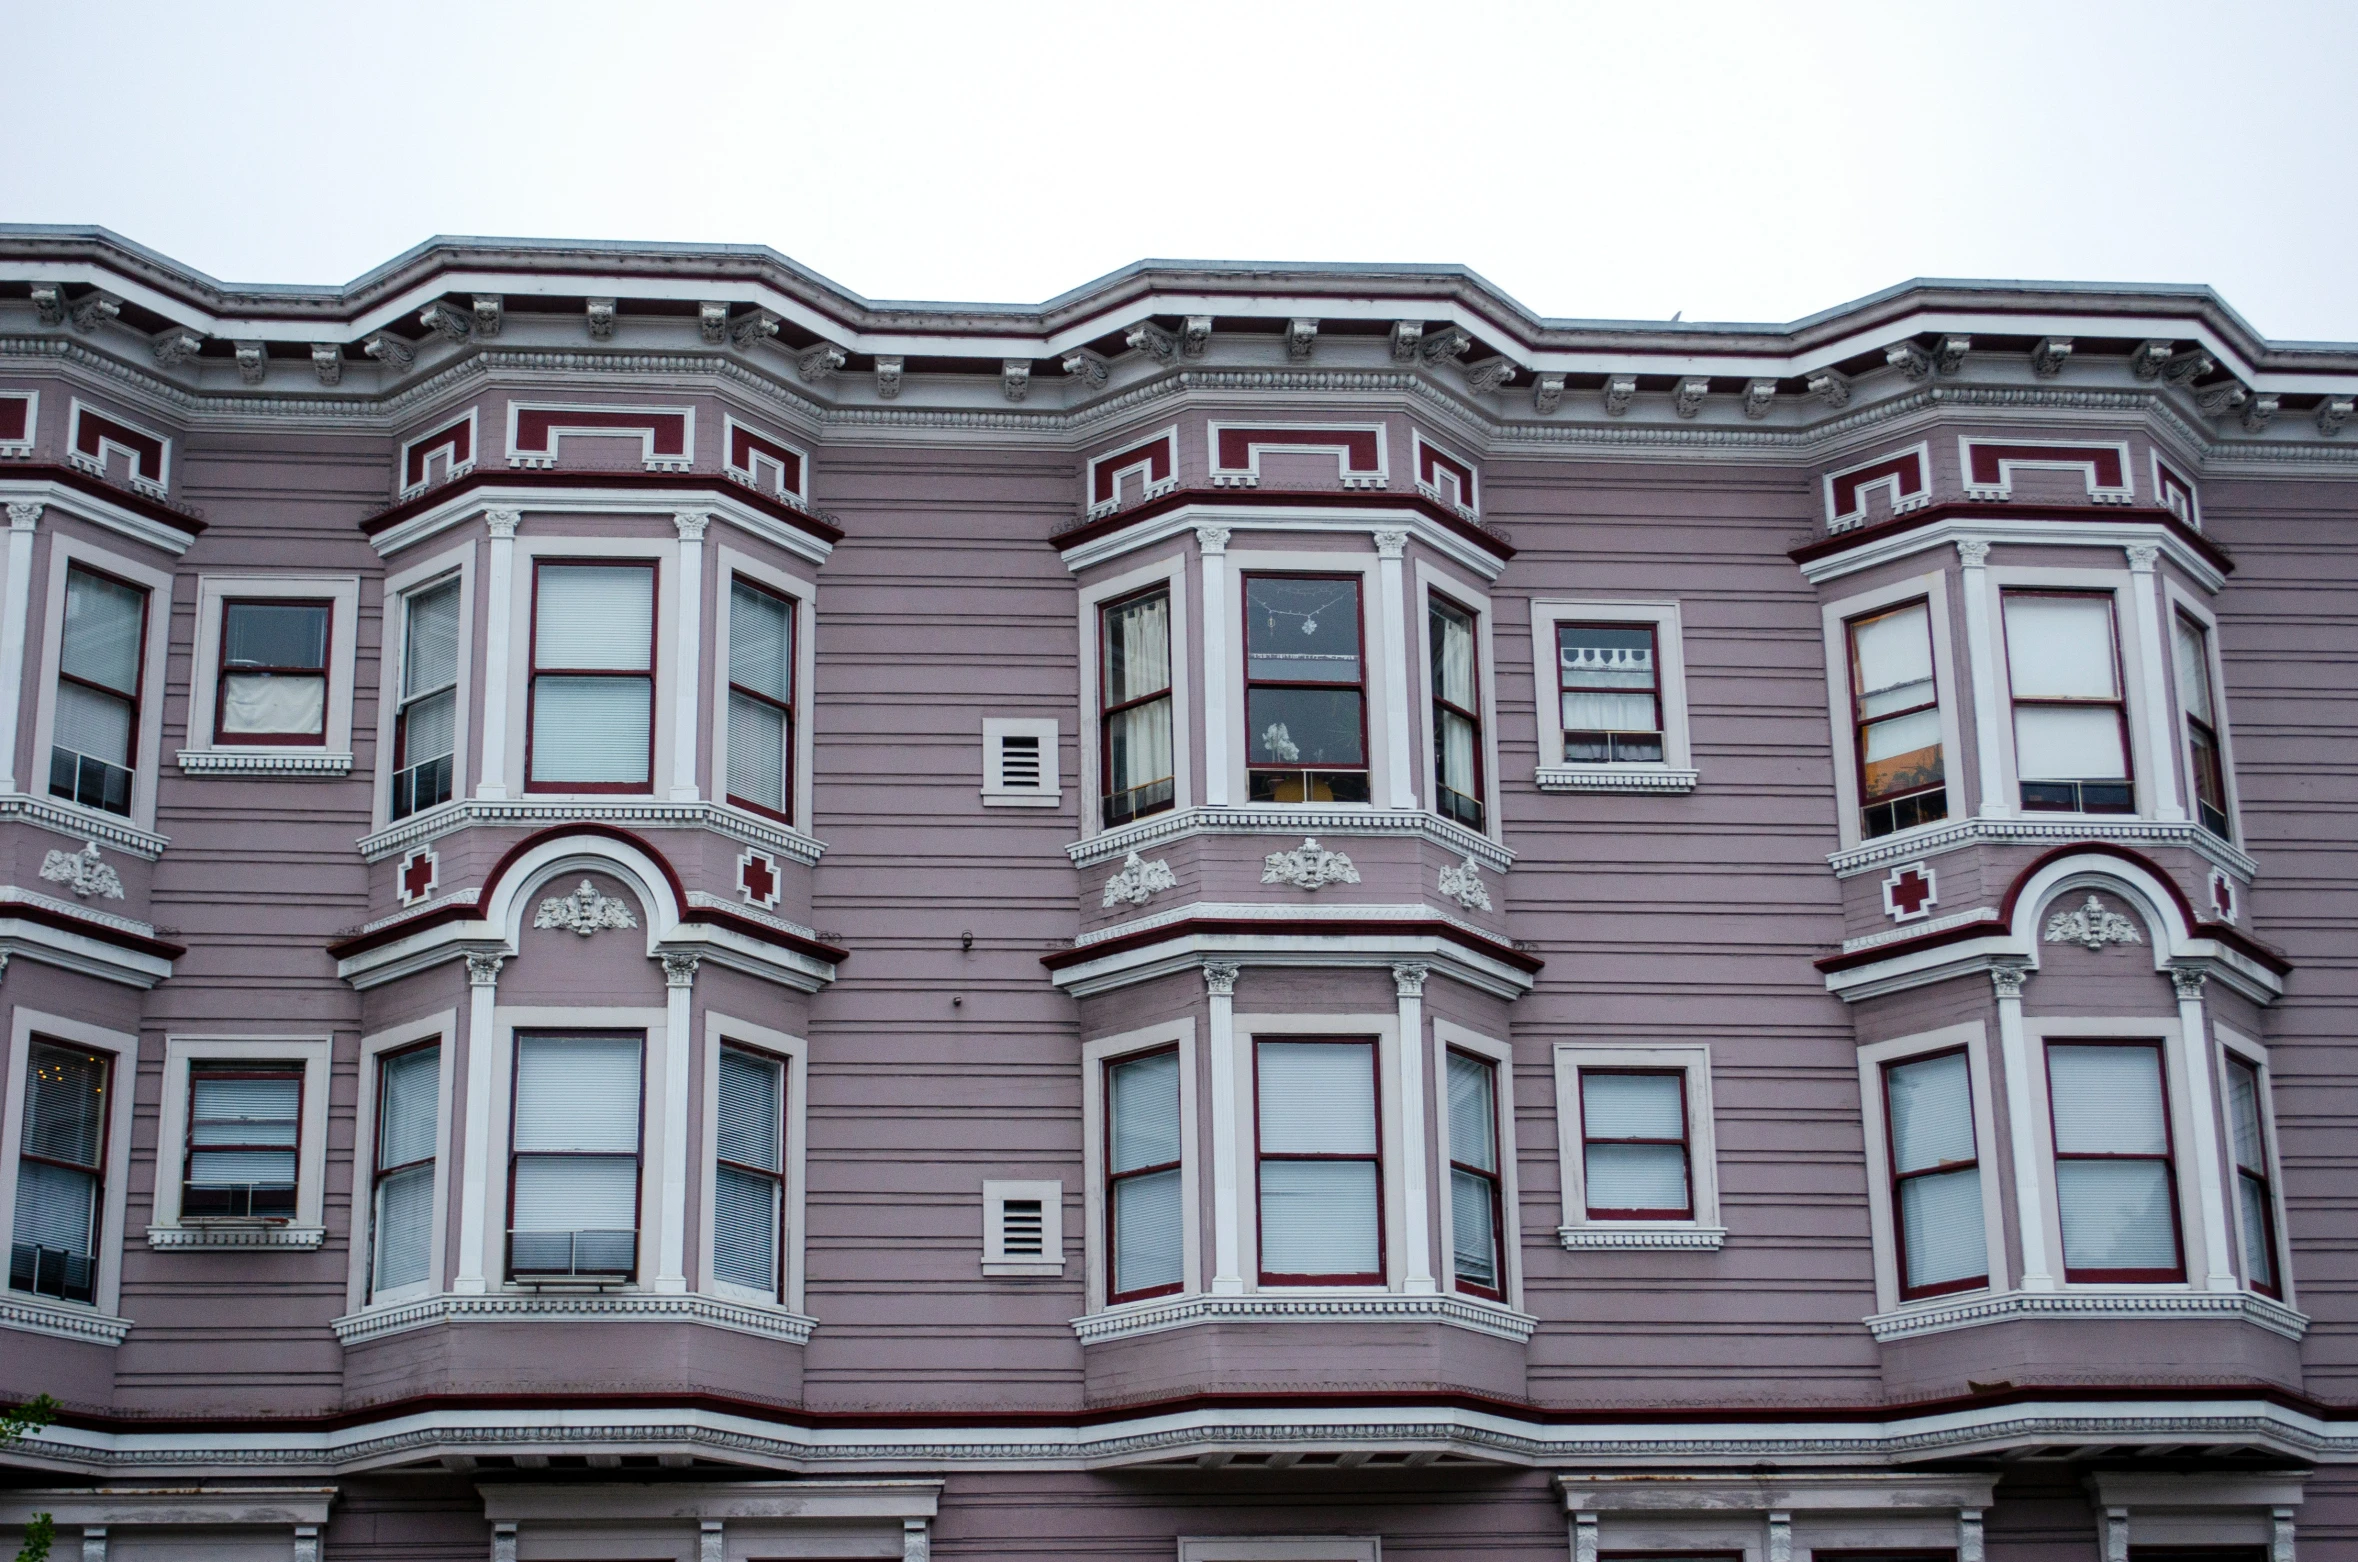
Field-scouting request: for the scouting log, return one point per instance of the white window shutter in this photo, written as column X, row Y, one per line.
column 1023, row 1228
column 1020, row 762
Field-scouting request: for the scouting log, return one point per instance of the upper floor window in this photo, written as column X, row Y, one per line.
column 425, row 730
column 573, row 1174
column 749, row 1173
column 2071, row 724
column 1477, row 1199
column 2193, row 646
column 1610, row 684
column 1634, row 1141
column 245, row 1125
column 1895, row 714
column 1135, row 740
column 401, row 1202
column 1935, row 1175
column 1145, row 1222
column 2255, row 1192
column 593, row 677
column 1321, row 1173
column 1305, row 689
column 95, row 737
column 60, row 1173
column 273, row 680
column 2116, row 1189
column 761, row 699
column 1457, row 718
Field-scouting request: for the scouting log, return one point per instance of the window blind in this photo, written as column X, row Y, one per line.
column 1319, row 1217
column 93, row 726
column 2112, row 1176
column 593, row 731
column 103, row 620
column 1472, row 1223
column 2193, row 668
column 431, row 661
column 1148, row 1228
column 404, row 1214
column 2108, row 1100
column 575, row 1195
column 1625, row 1177
column 65, row 1104
column 243, row 1130
column 54, row 1245
column 2060, row 647
column 1934, row 1159
column 429, row 711
column 761, row 642
column 751, row 1088
column 2253, row 1212
column 577, row 1093
column 1144, row 1112
column 745, row 1229
column 758, row 735
column 595, row 616
column 748, row 1189
column 1317, row 1098
column 406, row 1123
column 1473, row 1112
column 566, row 1193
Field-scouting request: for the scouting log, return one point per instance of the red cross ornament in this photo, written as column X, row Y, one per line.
column 757, row 879
column 2223, row 895
column 1910, row 893
column 420, row 871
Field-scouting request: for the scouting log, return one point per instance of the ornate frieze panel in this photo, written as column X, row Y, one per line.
column 439, row 456
column 666, row 436
column 99, row 439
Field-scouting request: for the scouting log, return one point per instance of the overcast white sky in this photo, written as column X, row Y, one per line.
column 1741, row 162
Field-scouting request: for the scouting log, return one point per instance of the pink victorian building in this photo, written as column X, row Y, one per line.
column 1263, row 914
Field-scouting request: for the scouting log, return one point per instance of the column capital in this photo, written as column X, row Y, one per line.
column 1220, row 978
column 1973, row 552
column 483, row 967
column 1213, row 540
column 691, row 524
column 503, row 524
column 2007, row 976
column 24, row 514
column 1409, row 978
column 1391, row 543
column 2188, row 978
column 2141, row 557
column 679, row 968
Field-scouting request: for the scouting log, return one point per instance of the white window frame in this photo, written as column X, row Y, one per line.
column 1934, row 589
column 2177, row 599
column 664, row 553
column 333, row 753
column 2245, row 1050
column 458, row 562
column 123, row 1047
column 1448, row 1036
column 1882, row 1219
column 443, row 1029
column 64, row 552
column 313, row 1055
column 1171, row 573
column 1676, row 772
column 1095, row 1055
column 996, row 1192
column 803, row 592
column 794, row 1053
column 1704, row 1231
column 1247, row 1030
column 1431, row 583
column 2189, row 1136
column 2128, row 611
column 1387, row 698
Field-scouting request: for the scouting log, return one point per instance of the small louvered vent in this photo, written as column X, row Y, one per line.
column 1023, row 1228
column 1021, row 1234
column 1019, row 762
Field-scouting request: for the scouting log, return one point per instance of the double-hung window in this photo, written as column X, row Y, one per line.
column 761, row 700
column 273, row 682
column 1477, row 1200
column 2255, row 1192
column 1134, row 735
column 401, row 1204
column 1321, row 1172
column 1634, row 1144
column 1457, row 716
column 1145, row 1223
column 61, row 1173
column 1609, row 681
column 1935, row 1175
column 2196, row 704
column 94, row 740
column 2116, row 1190
column 1305, row 689
column 593, row 677
column 245, row 1128
column 425, row 730
column 573, row 1177
column 1895, row 720
column 2071, row 725
column 749, row 1173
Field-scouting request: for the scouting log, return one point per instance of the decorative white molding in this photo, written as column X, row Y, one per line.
column 1619, row 391
column 1015, row 378
column 1910, row 893
column 2047, row 356
column 1281, row 819
column 2092, row 927
column 1308, row 866
column 1971, row 1311
column 889, row 369
column 60, row 1320
column 1462, row 882
column 261, row 762
column 745, row 828
column 1301, row 336
column 1547, row 394
column 83, row 873
column 774, row 1323
column 483, row 967
column 87, row 823
column 187, row 1237
column 327, row 362
column 1181, row 1312
column 1636, row 1234
column 1614, row 778
column 253, row 361
column 587, row 910
column 1220, row 978
column 1906, row 931
column 679, row 967
column 1138, row 881
column 708, row 901
column 1935, row 839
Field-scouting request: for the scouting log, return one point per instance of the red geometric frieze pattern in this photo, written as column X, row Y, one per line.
column 757, row 878
column 1905, row 476
column 98, row 436
column 421, row 870
column 20, row 416
column 2176, row 493
column 454, row 443
column 666, row 435
column 1154, row 461
column 1446, row 477
column 1989, row 466
column 1910, row 893
column 1237, row 449
column 759, row 459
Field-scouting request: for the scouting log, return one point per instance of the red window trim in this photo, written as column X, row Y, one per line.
column 1895, row 1178
column 2168, row 1159
column 794, row 629
column 244, row 1068
column 2264, row 1176
column 1660, row 728
column 106, row 1128
column 221, row 674
column 1685, row 1143
column 1376, row 1074
column 1365, row 767
column 376, row 1147
column 138, row 697
column 638, row 1195
column 1107, row 711
column 1499, row 1234
column 2119, row 704
column 785, row 1068
column 1859, row 721
column 1436, row 602
column 1112, row 1237
column 534, row 672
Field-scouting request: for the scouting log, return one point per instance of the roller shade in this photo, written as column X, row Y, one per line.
column 1931, row 1113
column 1148, row 1232
column 1473, row 1112
column 103, row 620
column 404, row 1228
column 1144, row 1111
column 2108, row 1100
column 1317, row 1098
column 1319, row 1218
column 578, row 1093
column 751, row 1100
column 745, row 1229
column 761, row 642
column 2060, row 648
column 432, row 659
column 595, row 616
column 406, row 1120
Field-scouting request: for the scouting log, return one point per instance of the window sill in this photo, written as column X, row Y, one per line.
column 1972, row 1309
column 1639, row 1234
column 1021, row 1267
column 60, row 1320
column 1022, row 800
column 1348, row 819
column 1180, row 1312
column 774, row 1323
column 262, row 762
column 1614, row 778
column 234, row 1234
column 84, row 823
column 735, row 823
column 2054, row 829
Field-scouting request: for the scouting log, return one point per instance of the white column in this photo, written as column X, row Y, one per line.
column 1212, row 542
column 22, row 518
column 688, row 651
column 2209, row 1180
column 498, row 617
column 2030, row 1209
column 474, row 1168
column 2161, row 726
column 679, row 981
column 1969, row 1537
column 1391, row 574
column 1227, row 1274
column 916, row 1540
column 1780, row 1537
column 1584, row 1537
column 2280, row 1535
column 1981, row 651
column 1409, row 980
column 709, row 1542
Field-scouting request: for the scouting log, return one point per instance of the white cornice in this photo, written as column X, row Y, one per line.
column 772, row 1323
column 712, row 494
column 197, row 1235
column 746, row 829
column 1181, row 1312
column 261, row 762
column 1934, row 840
column 61, row 1320
column 83, row 824
column 1372, row 513
column 99, row 512
column 87, row 953
column 1286, row 819
column 1995, row 526
column 1624, row 1235
column 1973, row 1311
column 1281, row 947
column 1613, row 778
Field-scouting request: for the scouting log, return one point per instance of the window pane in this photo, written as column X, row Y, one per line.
column 256, row 704
column 593, row 730
column 1137, row 649
column 274, row 634
column 1903, row 754
column 89, row 722
column 1473, row 1229
column 405, row 1130
column 1637, row 1177
column 243, row 1111
column 1894, row 656
column 2252, row 1211
column 2057, row 742
column 577, row 1093
column 1453, row 655
column 1138, row 749
column 1144, row 1112
column 1301, row 631
column 1303, row 727
column 2108, row 1100
column 576, row 1193
column 1632, row 1106
column 1931, row 1113
column 1473, row 1112
column 1148, row 1232
column 432, row 660
column 65, row 1104
column 1454, row 760
column 1593, row 656
column 2243, row 1116
column 56, row 1207
column 1319, row 1218
column 595, row 616
column 757, row 753
column 102, row 631
column 2060, row 647
column 2194, row 668
column 745, row 1229
column 761, row 642
column 752, row 1092
column 1940, row 1222
column 1317, row 1098
column 428, row 726
column 405, row 1228
column 2116, row 1215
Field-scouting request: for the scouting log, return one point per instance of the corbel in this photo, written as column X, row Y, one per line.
column 253, row 362
column 1448, row 343
column 1151, row 339
column 391, row 351
column 1686, row 397
column 2149, row 356
column 1196, row 336
column 491, row 312
column 1830, row 386
column 92, row 310
column 1405, row 336
column 1949, row 356
column 2047, row 356
column 750, row 331
column 816, row 364
column 1757, row 396
column 712, row 322
column 888, row 377
column 2259, row 412
column 1910, row 358
column 600, row 313
column 49, row 300
column 2332, row 413
column 1301, row 335
column 2218, row 400
column 176, row 345
column 447, row 320
column 1488, row 375
column 2185, row 368
column 327, row 361
column 1620, row 391
column 1547, row 395
column 1091, row 369
column 1015, row 378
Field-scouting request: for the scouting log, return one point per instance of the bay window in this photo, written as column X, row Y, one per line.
column 1135, row 739
column 1305, row 689
column 1634, row 1144
column 425, row 727
column 749, row 1174
column 245, row 1125
column 573, row 1176
column 2192, row 643
column 272, row 685
column 1477, row 1202
column 1935, row 1175
column 401, row 1202
column 1457, row 718
column 761, row 700
column 2071, row 724
column 592, row 725
column 94, row 740
column 2116, row 1189
column 1145, row 1221
column 1320, row 1169
column 60, row 1173
column 1610, row 687
column 2255, row 1192
column 1895, row 720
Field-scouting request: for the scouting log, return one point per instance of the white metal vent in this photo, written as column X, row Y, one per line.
column 1019, row 762
column 1023, row 1228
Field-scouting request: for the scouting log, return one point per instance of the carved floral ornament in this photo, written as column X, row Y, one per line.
column 1462, row 882
column 585, row 911
column 1138, row 880
column 1309, row 866
column 83, row 873
column 2092, row 926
